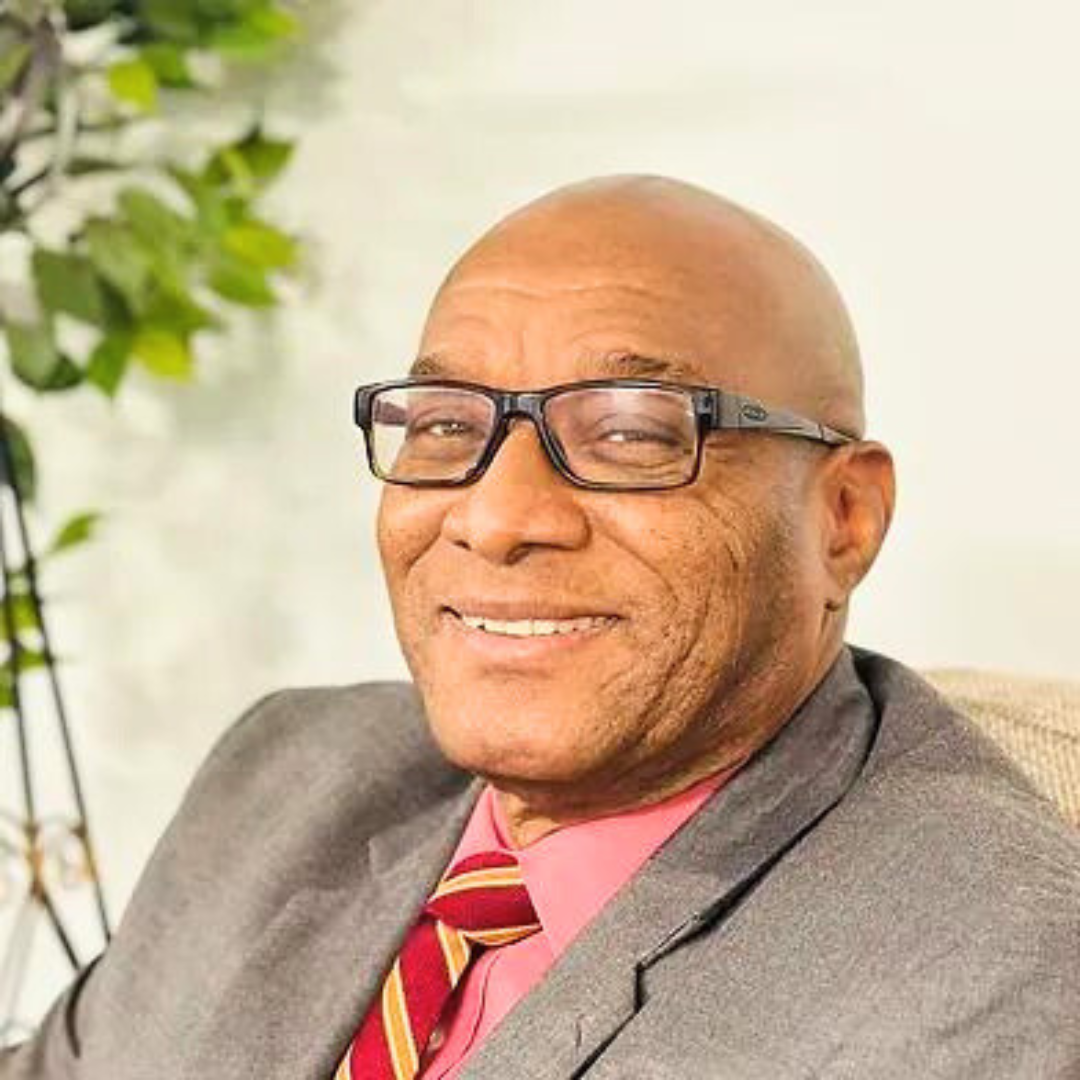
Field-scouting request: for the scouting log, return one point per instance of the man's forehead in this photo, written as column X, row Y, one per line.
column 684, row 286
column 588, row 320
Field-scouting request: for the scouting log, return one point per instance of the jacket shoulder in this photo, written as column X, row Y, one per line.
column 934, row 783
column 286, row 800
column 322, row 729
column 304, row 766
column 929, row 925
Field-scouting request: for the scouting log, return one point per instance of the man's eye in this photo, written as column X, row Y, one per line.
column 637, row 435
column 440, row 428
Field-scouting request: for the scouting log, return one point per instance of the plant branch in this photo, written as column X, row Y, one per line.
column 116, row 123
column 25, row 185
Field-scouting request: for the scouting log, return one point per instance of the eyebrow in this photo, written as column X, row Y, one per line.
column 429, row 364
column 632, row 365
column 615, row 365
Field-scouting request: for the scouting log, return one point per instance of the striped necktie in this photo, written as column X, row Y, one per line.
column 481, row 902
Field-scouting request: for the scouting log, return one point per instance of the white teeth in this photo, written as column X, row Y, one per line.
column 534, row 627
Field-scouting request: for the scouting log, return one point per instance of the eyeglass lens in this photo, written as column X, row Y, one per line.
column 608, row 435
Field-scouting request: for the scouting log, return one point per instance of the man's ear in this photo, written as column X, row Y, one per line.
column 858, row 486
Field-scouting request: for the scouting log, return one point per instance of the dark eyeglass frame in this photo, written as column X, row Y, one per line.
column 714, row 410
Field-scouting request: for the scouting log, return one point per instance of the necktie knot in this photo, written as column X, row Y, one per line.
column 481, row 901
column 484, row 897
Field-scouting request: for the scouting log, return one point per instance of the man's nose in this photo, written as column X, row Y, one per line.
column 520, row 501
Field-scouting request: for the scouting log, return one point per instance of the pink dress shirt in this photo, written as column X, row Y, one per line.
column 570, row 874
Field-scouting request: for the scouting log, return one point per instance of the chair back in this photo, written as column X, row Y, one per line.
column 1035, row 721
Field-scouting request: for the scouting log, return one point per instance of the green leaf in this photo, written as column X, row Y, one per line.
column 77, row 530
column 33, row 351
column 35, row 359
column 81, row 14
column 84, row 165
column 109, row 361
column 23, row 614
column 238, row 280
column 215, row 211
column 169, row 64
column 22, row 459
column 121, row 259
column 170, row 20
column 229, row 169
column 134, row 81
column 266, row 158
column 29, row 658
column 14, row 54
column 154, row 221
column 68, row 282
column 249, row 164
column 17, row 580
column 177, row 310
column 163, row 353
column 213, row 12
column 259, row 34
column 119, row 315
column 168, row 238
column 262, row 244
column 64, row 376
column 275, row 21
column 9, row 207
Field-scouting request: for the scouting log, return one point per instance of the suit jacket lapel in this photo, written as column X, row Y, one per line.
column 689, row 884
column 315, row 968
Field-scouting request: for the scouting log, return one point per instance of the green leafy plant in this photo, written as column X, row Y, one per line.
column 167, row 249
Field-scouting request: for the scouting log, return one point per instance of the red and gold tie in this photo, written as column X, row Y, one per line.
column 481, row 902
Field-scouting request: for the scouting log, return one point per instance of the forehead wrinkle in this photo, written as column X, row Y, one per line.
column 536, row 291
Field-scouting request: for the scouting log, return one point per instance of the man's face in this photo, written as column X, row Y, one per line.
column 712, row 584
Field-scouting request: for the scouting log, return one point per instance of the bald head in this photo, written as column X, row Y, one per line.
column 748, row 307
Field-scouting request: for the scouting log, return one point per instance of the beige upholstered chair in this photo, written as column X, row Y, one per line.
column 1035, row 721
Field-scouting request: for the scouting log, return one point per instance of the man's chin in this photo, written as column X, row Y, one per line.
column 514, row 763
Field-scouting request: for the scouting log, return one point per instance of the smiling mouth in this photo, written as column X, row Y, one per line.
column 533, row 628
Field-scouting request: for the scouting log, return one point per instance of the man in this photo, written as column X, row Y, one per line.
column 643, row 813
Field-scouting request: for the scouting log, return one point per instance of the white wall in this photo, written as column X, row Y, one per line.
column 926, row 151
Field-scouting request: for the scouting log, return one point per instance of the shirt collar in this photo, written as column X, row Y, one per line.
column 573, row 872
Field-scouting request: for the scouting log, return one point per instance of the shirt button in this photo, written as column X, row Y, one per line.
column 438, row 1037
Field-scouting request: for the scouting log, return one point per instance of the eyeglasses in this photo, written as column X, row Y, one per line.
column 603, row 434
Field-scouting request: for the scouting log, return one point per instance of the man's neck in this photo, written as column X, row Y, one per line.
column 528, row 821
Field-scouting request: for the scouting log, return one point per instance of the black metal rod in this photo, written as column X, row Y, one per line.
column 29, row 801
column 83, row 828
column 41, row 893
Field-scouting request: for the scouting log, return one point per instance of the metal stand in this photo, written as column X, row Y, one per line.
column 47, row 863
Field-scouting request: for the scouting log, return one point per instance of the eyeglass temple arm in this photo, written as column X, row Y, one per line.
column 734, row 411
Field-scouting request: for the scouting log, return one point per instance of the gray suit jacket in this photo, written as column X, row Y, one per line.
column 877, row 894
